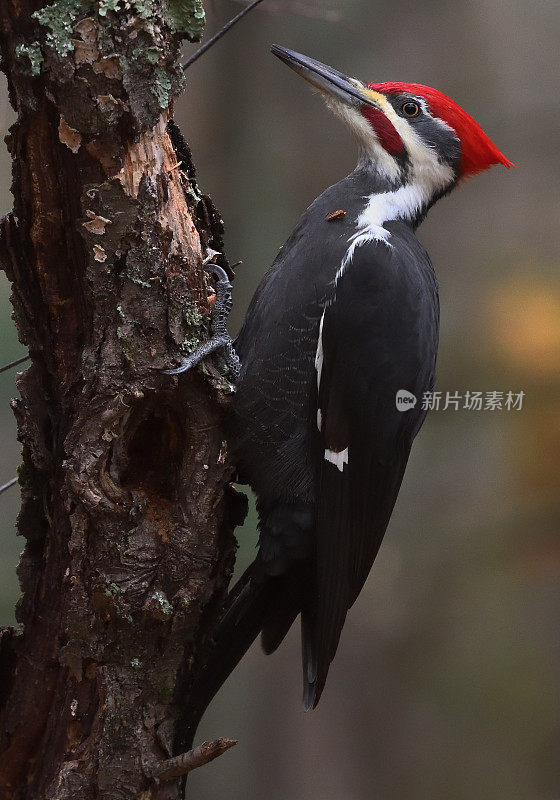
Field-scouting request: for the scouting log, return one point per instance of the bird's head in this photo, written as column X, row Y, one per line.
column 407, row 132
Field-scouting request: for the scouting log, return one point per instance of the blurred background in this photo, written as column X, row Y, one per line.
column 446, row 680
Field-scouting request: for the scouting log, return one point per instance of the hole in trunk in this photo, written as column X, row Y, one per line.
column 154, row 453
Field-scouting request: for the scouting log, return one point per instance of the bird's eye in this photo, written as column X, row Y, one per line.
column 410, row 109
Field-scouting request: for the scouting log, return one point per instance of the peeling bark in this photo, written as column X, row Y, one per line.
column 125, row 511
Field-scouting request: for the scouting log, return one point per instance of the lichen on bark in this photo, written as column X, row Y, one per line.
column 132, row 44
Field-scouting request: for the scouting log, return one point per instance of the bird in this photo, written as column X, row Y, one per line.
column 345, row 321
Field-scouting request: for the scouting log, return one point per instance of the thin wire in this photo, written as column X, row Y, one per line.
column 14, row 363
column 213, row 39
column 8, row 485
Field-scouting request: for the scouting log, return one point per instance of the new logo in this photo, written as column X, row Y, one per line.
column 405, row 400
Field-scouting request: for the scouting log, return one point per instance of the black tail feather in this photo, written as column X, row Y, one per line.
column 309, row 661
column 282, row 613
column 238, row 627
column 257, row 603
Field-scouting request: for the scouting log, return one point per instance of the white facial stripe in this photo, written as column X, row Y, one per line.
column 338, row 459
column 425, row 165
column 426, row 168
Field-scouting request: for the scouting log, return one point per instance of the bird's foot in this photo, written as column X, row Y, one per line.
column 219, row 338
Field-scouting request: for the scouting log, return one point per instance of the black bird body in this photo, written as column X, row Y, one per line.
column 346, row 317
column 387, row 295
column 379, row 335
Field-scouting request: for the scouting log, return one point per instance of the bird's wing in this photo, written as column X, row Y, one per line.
column 378, row 335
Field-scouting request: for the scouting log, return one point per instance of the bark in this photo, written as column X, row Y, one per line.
column 125, row 511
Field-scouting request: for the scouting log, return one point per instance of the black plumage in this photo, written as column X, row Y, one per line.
column 379, row 335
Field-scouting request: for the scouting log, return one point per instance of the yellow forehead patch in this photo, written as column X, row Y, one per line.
column 377, row 97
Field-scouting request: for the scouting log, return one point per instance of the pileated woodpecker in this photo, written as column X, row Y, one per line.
column 346, row 317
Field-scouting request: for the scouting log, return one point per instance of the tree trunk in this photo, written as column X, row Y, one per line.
column 127, row 520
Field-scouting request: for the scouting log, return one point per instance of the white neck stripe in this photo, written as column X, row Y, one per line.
column 403, row 203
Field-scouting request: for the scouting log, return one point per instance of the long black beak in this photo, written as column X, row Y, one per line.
column 326, row 79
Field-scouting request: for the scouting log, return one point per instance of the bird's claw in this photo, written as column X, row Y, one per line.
column 218, row 271
column 220, row 338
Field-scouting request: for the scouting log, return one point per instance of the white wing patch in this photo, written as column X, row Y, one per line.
column 319, row 353
column 341, row 458
column 338, row 459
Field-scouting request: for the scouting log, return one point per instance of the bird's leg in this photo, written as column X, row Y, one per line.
column 220, row 338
